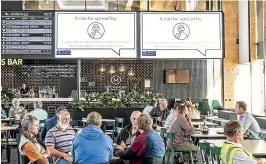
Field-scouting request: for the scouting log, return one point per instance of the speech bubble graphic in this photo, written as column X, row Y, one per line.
column 193, row 33
column 90, row 32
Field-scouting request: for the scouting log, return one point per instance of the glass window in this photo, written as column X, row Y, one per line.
column 70, row 4
column 258, row 92
column 38, row 5
column 242, row 85
column 214, row 79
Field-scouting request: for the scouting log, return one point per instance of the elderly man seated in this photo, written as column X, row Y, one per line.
column 28, row 143
column 232, row 151
column 147, row 147
column 129, row 132
column 162, row 111
column 92, row 146
column 59, row 139
column 51, row 122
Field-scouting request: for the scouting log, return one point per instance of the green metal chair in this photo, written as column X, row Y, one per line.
column 163, row 135
column 205, row 108
column 215, row 104
column 163, row 132
column 171, row 149
column 204, row 99
column 215, row 153
column 204, row 149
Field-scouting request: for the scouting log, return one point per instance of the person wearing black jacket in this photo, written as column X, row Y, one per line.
column 129, row 132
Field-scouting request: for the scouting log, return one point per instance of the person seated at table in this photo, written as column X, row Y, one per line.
column 148, row 109
column 162, row 111
column 173, row 113
column 92, row 146
column 59, row 139
column 129, row 132
column 51, row 122
column 3, row 114
column 183, row 128
column 194, row 113
column 17, row 111
column 147, row 145
column 251, row 127
column 39, row 112
column 24, row 92
column 29, row 144
column 232, row 151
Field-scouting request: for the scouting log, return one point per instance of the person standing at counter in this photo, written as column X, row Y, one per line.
column 17, row 111
column 25, row 92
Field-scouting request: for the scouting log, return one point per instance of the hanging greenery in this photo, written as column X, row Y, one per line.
column 117, row 100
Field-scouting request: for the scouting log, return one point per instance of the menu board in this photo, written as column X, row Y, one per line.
column 95, row 35
column 27, row 32
column 182, row 35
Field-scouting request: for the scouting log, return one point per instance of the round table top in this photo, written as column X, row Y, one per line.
column 256, row 147
column 108, row 120
column 104, row 120
column 10, row 119
column 7, row 128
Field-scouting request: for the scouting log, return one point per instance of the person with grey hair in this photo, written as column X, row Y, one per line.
column 92, row 145
column 29, row 144
column 51, row 122
column 17, row 111
column 39, row 112
column 59, row 139
column 129, row 132
column 162, row 111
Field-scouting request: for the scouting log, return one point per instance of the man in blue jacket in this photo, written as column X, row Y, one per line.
column 92, row 146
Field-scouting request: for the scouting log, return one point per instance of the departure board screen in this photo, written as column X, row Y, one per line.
column 27, row 32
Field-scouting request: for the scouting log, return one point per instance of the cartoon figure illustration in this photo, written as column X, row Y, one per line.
column 181, row 31
column 96, row 30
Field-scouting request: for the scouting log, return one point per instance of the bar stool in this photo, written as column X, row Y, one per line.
column 109, row 123
column 119, row 121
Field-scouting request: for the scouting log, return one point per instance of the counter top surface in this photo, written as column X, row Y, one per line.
column 44, row 99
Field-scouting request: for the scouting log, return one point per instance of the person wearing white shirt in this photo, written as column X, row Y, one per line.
column 173, row 113
column 251, row 127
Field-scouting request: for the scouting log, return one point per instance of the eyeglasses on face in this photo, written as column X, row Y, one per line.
column 66, row 119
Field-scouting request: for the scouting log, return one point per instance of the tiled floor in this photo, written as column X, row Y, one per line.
column 14, row 157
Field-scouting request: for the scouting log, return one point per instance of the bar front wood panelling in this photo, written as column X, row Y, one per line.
column 231, row 59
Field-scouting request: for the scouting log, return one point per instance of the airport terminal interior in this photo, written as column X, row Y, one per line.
column 133, row 81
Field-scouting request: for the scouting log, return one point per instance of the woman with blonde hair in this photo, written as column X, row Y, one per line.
column 17, row 111
column 193, row 112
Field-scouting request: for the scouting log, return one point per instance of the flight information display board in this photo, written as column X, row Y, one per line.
column 27, row 32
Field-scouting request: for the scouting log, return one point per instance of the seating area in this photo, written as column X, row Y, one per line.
column 133, row 82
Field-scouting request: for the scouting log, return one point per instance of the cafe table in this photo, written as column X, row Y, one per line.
column 213, row 133
column 5, row 141
column 198, row 124
column 256, row 147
